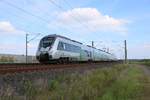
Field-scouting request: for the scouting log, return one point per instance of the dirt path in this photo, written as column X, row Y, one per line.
column 146, row 82
column 145, row 69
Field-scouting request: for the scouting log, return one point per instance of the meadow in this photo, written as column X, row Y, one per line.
column 121, row 82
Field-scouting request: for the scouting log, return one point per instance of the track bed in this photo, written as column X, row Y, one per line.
column 31, row 67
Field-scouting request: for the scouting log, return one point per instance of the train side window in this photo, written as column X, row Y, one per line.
column 90, row 53
column 60, row 46
column 87, row 53
column 64, row 46
column 68, row 47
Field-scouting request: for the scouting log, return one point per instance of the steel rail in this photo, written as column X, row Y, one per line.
column 22, row 67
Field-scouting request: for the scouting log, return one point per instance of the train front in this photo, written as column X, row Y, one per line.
column 44, row 52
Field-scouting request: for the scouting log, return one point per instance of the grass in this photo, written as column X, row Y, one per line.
column 146, row 62
column 122, row 82
column 126, row 87
column 84, row 87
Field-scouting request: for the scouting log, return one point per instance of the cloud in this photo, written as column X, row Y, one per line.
column 146, row 45
column 17, row 38
column 18, row 48
column 11, row 48
column 7, row 28
column 91, row 19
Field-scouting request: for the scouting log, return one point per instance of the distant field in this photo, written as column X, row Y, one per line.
column 12, row 58
column 144, row 62
column 122, row 82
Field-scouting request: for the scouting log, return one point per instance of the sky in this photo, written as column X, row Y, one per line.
column 106, row 22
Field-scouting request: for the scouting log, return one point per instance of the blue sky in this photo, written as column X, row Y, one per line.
column 107, row 22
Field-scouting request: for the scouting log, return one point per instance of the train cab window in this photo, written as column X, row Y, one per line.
column 60, row 46
column 47, row 42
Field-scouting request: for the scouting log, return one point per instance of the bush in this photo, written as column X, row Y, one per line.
column 7, row 59
column 90, row 86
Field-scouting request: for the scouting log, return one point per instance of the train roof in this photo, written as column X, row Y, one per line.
column 98, row 49
column 55, row 35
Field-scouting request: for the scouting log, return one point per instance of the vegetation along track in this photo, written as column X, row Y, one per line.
column 30, row 67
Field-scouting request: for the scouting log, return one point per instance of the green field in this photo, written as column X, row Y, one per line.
column 122, row 82
column 143, row 62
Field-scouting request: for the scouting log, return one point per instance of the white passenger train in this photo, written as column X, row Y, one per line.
column 60, row 48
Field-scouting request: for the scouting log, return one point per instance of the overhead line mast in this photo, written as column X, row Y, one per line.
column 27, row 48
column 27, row 41
column 125, row 51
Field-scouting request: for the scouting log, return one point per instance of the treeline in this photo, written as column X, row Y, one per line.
column 7, row 59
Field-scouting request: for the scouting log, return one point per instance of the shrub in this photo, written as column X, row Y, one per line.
column 7, row 59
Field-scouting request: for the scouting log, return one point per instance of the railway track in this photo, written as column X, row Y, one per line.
column 31, row 67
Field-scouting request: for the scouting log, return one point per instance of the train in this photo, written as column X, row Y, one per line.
column 62, row 49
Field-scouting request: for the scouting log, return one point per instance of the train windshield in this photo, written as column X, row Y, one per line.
column 47, row 42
